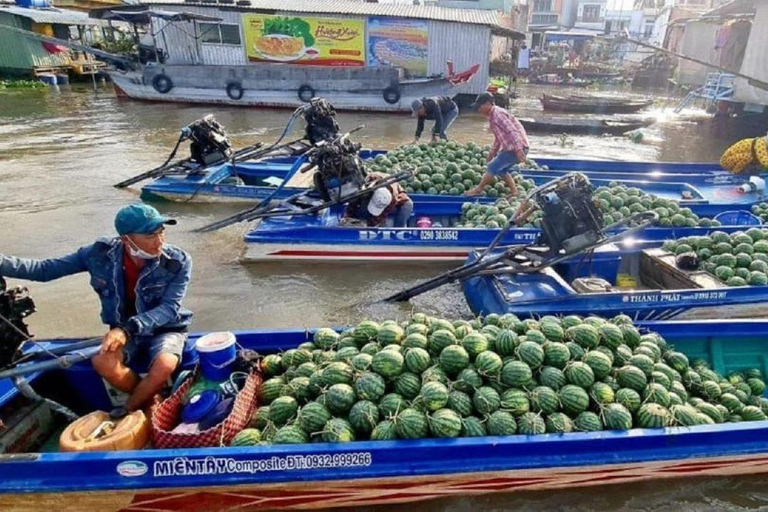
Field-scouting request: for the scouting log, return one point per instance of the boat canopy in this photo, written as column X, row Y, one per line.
column 144, row 16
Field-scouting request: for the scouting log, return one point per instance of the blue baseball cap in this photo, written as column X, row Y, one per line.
column 140, row 219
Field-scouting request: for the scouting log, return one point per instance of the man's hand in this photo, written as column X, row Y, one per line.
column 114, row 340
column 521, row 158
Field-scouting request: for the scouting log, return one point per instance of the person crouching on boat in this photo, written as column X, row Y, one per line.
column 375, row 208
column 510, row 145
column 141, row 282
column 440, row 109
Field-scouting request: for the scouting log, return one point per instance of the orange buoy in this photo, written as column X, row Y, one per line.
column 97, row 432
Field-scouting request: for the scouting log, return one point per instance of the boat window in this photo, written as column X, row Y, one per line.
column 219, row 33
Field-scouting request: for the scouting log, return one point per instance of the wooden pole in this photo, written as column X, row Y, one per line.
column 752, row 80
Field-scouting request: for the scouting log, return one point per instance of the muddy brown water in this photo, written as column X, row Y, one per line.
column 62, row 150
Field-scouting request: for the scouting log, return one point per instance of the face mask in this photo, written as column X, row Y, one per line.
column 138, row 253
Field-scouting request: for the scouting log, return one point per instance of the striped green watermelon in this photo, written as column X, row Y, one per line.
column 537, row 337
column 514, row 401
column 415, row 340
column 631, row 377
column 710, row 390
column 574, row 399
column 370, row 386
column 491, row 319
column 416, row 329
column 599, row 362
column 420, row 318
column 445, row 423
column 530, row 353
column 338, row 373
column 246, row 437
column 370, row 348
column 643, row 362
column 384, row 431
column 325, row 338
column 544, row 400
column 501, row 423
column 468, row 380
column 346, row 354
column 653, row 415
column 752, row 413
column 486, row 400
column 388, row 363
column 282, row 409
column 434, row 395
column 685, row 415
column 417, row 360
column 692, row 380
column 472, row 426
column 552, row 377
column 271, row 365
column 440, row 339
column 570, row 321
column 365, row 332
column 552, row 332
column 453, row 359
column 438, row 324
column 585, row 335
column 630, row 334
column 313, row 417
column 475, row 343
column 531, row 424
column 580, row 374
column 488, row 364
column 290, row 434
column 515, row 374
column 347, row 342
column 616, row 417
column 506, row 343
column 300, row 389
column 364, row 416
column 712, row 411
column 411, row 424
column 757, row 385
column 408, row 385
column 306, row 369
column 270, row 389
column 390, row 335
column 391, row 404
column 260, row 418
column 622, row 320
column 435, row 374
column 602, row 393
column 338, row 430
column 339, row 398
column 558, row 423
column 656, row 393
column 610, row 335
column 576, row 350
column 463, row 330
column 587, row 421
column 677, row 361
column 556, row 354
column 461, row 403
column 661, row 379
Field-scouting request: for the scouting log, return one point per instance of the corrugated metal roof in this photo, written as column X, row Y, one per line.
column 50, row 15
column 472, row 16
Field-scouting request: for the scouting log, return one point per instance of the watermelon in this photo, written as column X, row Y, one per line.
column 656, row 393
column 552, row 377
column 577, row 352
column 474, row 343
column 558, row 423
column 260, row 418
column 756, row 385
column 388, row 363
column 530, row 353
column 390, row 335
column 552, row 331
column 468, row 380
column 643, row 362
column 629, row 398
column 580, row 374
column 599, row 363
column 616, row 417
column 531, row 424
column 270, row 389
column 433, row 395
column 434, row 374
column 685, row 415
column 473, row 427
column 290, row 434
column 415, row 340
column 710, row 390
column 365, row 332
column 339, row 398
column 313, row 417
column 361, row 362
column 501, row 423
column 516, row 374
column 632, row 377
column 417, row 360
column 282, row 409
column 677, row 361
column 338, row 373
column 338, row 430
column 445, row 423
column 419, row 329
column 602, row 393
column 384, row 431
column 461, row 403
column 752, row 413
column 408, row 385
column 453, row 359
column 325, row 338
column 488, row 364
column 370, row 348
column 587, row 421
column 585, row 335
column 712, row 411
column 653, row 415
column 306, row 369
column 570, row 321
column 630, row 334
column 556, row 354
column 440, row 339
column 300, row 389
column 506, row 342
column 271, row 365
column 346, row 354
column 515, row 401
column 544, row 400
column 246, row 437
column 574, row 399
column 411, row 424
column 391, row 404
column 364, row 416
column 486, row 400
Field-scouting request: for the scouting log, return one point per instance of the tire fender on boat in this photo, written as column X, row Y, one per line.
column 235, row 90
column 97, row 432
column 162, row 83
column 391, row 94
column 306, row 93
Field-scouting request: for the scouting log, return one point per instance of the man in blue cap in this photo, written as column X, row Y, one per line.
column 141, row 282
column 440, row 109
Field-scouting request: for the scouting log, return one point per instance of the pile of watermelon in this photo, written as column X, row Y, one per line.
column 761, row 210
column 617, row 202
column 444, row 168
column 736, row 259
column 431, row 377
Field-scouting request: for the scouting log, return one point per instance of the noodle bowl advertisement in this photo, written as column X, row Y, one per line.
column 304, row 40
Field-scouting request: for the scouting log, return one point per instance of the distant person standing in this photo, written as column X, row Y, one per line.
column 440, row 109
column 510, row 145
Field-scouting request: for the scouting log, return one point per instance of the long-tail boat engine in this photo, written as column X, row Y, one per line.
column 15, row 306
column 209, row 140
column 340, row 171
column 320, row 118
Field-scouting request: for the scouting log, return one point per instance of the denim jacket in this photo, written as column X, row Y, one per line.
column 160, row 289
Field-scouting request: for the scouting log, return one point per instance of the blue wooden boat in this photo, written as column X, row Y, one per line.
column 358, row 474
column 255, row 181
column 321, row 237
column 584, row 285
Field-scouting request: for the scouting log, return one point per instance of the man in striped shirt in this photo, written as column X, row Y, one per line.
column 509, row 147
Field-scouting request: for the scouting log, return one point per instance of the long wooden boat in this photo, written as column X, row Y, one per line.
column 323, row 238
column 360, row 474
column 661, row 290
column 606, row 126
column 559, row 80
column 592, row 104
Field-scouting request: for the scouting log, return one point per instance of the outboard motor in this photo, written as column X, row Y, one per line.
column 571, row 218
column 209, row 141
column 340, row 170
column 320, row 117
column 15, row 306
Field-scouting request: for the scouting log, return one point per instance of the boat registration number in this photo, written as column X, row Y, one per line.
column 439, row 234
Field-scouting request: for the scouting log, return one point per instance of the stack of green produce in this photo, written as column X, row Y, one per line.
column 444, row 167
column 22, row 84
column 738, row 259
column 761, row 210
column 431, row 377
column 617, row 202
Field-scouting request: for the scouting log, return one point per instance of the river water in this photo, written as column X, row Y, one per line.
column 61, row 151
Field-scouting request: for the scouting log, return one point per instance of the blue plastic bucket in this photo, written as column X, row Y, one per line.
column 217, row 354
column 738, row 218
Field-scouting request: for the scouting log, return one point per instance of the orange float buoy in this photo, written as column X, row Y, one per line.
column 97, row 432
